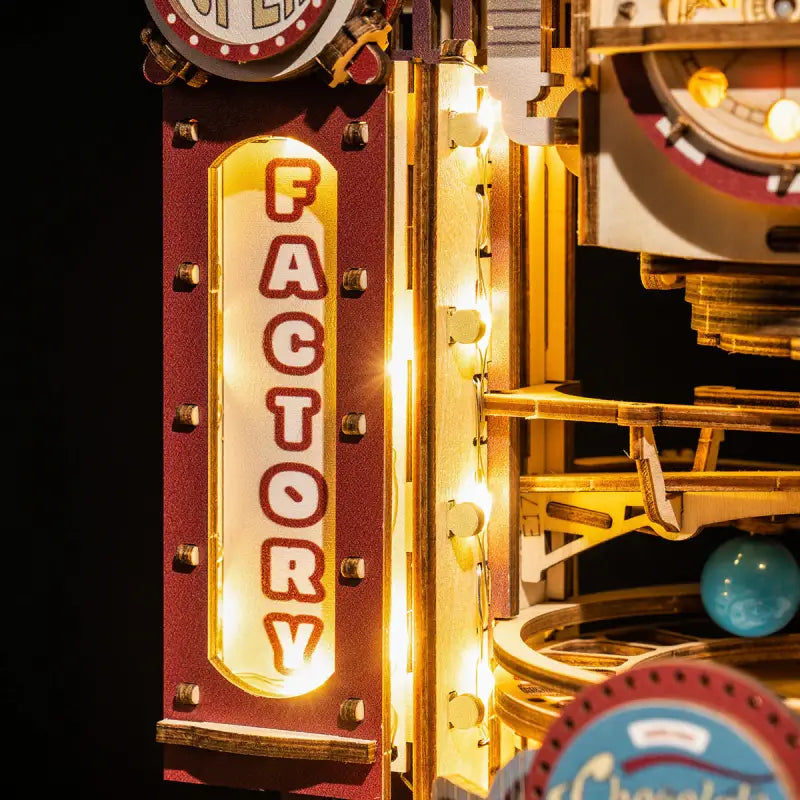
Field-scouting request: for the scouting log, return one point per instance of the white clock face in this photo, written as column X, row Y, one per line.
column 742, row 105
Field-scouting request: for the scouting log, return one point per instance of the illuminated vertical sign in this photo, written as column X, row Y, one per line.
column 273, row 395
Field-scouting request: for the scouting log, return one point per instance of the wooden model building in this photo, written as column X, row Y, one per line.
column 373, row 512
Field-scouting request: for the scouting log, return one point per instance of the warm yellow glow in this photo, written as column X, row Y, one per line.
column 231, row 614
column 398, row 630
column 783, row 120
column 308, row 676
column 486, row 316
column 488, row 117
column 402, row 344
column 708, row 87
column 488, row 112
column 485, row 681
column 241, row 646
column 478, row 493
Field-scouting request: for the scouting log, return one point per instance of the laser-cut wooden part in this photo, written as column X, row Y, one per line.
column 554, row 401
column 540, row 671
column 266, row 742
column 651, row 479
column 368, row 31
column 693, row 37
column 508, row 232
column 673, row 482
column 593, row 508
column 550, row 322
column 707, row 453
column 756, row 314
column 728, row 395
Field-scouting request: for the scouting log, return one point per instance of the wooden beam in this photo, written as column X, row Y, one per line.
column 673, row 481
column 424, row 455
column 695, row 36
column 265, row 742
column 554, row 401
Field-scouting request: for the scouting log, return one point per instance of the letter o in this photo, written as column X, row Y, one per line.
column 292, row 489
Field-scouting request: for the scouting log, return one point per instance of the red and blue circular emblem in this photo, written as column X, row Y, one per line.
column 682, row 730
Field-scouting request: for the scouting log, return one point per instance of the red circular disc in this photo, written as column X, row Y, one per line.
column 712, row 171
column 732, row 703
column 291, row 21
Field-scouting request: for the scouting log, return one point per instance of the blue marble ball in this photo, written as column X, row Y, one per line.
column 751, row 586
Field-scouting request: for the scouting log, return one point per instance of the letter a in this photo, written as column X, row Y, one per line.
column 293, row 268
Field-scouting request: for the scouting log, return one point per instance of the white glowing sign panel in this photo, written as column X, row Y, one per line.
column 273, row 362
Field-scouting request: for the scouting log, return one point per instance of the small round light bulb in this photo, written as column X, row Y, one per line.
column 783, row 120
column 708, row 87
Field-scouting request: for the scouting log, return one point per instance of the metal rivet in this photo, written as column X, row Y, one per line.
column 188, row 273
column 354, row 424
column 677, row 131
column 352, row 710
column 187, row 694
column 353, row 567
column 355, row 280
column 188, row 414
column 188, row 554
column 186, row 133
column 465, row 711
column 356, row 134
column 464, row 519
column 465, row 325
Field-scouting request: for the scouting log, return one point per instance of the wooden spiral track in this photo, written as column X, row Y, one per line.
column 551, row 651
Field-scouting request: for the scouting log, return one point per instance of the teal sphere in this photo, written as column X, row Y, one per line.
column 751, row 586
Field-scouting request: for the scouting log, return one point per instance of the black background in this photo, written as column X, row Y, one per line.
column 82, row 566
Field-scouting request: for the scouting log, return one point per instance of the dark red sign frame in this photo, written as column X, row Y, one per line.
column 227, row 113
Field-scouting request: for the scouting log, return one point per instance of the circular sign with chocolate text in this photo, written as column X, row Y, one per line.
column 681, row 730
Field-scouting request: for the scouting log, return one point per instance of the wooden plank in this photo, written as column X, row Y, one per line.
column 553, row 401
column 694, row 36
column 550, row 316
column 728, row 395
column 505, row 372
column 580, row 24
column 265, row 742
column 674, row 482
column 424, row 455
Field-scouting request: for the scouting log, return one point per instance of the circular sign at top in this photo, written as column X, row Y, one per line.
column 242, row 30
column 680, row 730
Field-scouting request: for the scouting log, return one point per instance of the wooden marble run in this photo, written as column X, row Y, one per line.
column 372, row 508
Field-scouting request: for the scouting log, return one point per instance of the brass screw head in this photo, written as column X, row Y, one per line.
column 188, row 273
column 356, row 134
column 355, row 280
column 188, row 414
column 188, row 554
column 186, row 133
column 354, row 424
column 352, row 710
column 187, row 694
column 353, row 568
